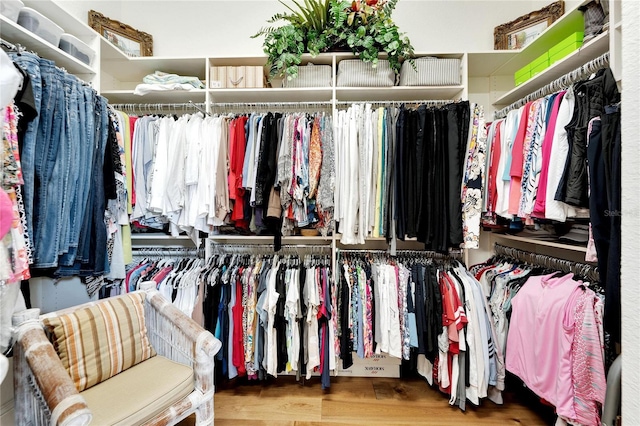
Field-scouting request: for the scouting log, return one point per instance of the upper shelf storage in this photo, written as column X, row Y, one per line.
column 17, row 34
column 591, row 49
column 500, row 66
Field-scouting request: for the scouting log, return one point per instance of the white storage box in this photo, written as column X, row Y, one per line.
column 43, row 27
column 357, row 73
column 376, row 366
column 10, row 9
column 240, row 77
column 431, row 71
column 311, row 75
column 76, row 48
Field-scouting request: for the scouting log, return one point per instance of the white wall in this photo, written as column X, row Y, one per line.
column 630, row 213
column 80, row 8
column 224, row 27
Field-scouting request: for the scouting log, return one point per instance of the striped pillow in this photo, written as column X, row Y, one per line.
column 100, row 341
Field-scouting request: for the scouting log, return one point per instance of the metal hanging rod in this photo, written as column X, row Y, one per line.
column 154, row 107
column 11, row 46
column 585, row 270
column 167, row 252
column 560, row 83
column 432, row 102
column 454, row 254
column 268, row 248
column 303, row 104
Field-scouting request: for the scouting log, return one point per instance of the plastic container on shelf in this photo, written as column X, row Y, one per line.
column 76, row 48
column 539, row 64
column 41, row 26
column 565, row 47
column 10, row 9
column 522, row 75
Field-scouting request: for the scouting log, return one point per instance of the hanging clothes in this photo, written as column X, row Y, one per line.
column 258, row 173
column 399, row 174
column 557, row 355
column 176, row 278
column 61, row 164
column 560, row 163
column 281, row 314
column 414, row 308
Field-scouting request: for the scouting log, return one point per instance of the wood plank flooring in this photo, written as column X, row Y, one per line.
column 361, row 401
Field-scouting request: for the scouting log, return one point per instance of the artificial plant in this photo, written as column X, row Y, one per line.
column 315, row 26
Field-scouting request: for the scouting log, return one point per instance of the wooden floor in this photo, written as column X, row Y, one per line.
column 361, row 401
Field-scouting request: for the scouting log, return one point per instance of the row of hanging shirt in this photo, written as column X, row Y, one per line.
column 273, row 314
column 558, row 355
column 559, row 157
column 410, row 173
column 176, row 278
column 434, row 313
column 397, row 172
column 194, row 173
column 537, row 155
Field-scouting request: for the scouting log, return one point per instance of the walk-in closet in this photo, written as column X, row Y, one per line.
column 323, row 212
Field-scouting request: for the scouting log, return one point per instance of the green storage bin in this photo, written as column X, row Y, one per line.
column 562, row 53
column 566, row 47
column 542, row 60
column 522, row 75
column 538, row 69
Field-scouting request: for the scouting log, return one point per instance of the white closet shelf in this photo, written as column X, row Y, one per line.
column 598, row 46
column 124, row 68
column 157, row 236
column 398, row 93
column 160, row 241
column 536, row 242
column 485, row 64
column 268, row 239
column 176, row 96
column 294, row 94
column 18, row 34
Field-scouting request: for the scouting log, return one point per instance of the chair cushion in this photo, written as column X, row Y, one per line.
column 140, row 393
column 97, row 342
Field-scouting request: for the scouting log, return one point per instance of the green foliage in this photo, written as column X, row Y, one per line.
column 315, row 26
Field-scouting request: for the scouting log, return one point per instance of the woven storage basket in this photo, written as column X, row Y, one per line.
column 431, row 71
column 356, row 73
column 311, row 75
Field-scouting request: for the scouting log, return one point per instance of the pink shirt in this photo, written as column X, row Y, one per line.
column 540, row 335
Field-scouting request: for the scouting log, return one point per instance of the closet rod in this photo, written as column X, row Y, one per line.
column 168, row 252
column 150, row 107
column 558, row 84
column 577, row 268
column 270, row 104
column 398, row 103
column 11, row 46
column 248, row 248
column 427, row 253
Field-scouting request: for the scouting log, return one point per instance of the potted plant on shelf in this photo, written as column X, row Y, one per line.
column 363, row 27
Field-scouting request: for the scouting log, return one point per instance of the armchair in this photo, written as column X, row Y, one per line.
column 161, row 390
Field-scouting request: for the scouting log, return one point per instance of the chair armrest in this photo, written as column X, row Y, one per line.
column 44, row 367
column 179, row 338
